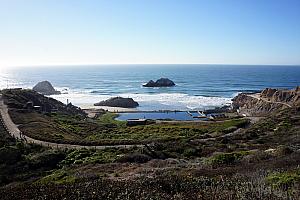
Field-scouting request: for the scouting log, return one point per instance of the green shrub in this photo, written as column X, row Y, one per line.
column 59, row 177
column 84, row 156
column 230, row 129
column 47, row 159
column 284, row 180
column 227, row 158
column 190, row 152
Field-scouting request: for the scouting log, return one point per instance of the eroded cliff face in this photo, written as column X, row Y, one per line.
column 251, row 106
column 266, row 102
column 291, row 97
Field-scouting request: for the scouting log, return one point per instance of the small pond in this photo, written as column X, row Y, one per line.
column 159, row 115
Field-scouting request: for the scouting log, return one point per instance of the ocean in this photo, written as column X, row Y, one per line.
column 197, row 86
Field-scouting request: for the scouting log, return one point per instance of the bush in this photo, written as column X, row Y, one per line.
column 134, row 158
column 9, row 155
column 59, row 177
column 283, row 151
column 230, row 129
column 284, row 180
column 75, row 156
column 256, row 156
column 47, row 159
column 85, row 156
column 227, row 158
column 189, row 152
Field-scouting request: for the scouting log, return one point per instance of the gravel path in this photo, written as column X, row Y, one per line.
column 14, row 131
column 257, row 96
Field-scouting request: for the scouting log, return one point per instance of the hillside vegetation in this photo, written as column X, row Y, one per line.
column 217, row 160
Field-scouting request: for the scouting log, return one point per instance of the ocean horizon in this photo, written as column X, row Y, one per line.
column 197, row 86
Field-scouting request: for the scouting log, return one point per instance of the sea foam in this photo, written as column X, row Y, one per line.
column 160, row 101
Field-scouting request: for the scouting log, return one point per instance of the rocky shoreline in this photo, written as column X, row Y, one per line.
column 247, row 104
column 265, row 102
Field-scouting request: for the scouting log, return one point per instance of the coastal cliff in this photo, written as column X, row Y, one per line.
column 289, row 96
column 266, row 101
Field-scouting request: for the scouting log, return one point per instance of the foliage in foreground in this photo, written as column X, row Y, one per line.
column 163, row 187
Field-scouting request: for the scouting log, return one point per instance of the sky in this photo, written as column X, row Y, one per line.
column 75, row 32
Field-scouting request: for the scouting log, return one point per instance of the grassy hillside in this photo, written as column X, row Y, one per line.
column 72, row 128
column 216, row 160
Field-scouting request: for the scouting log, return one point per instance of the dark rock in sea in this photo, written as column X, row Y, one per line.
column 162, row 82
column 45, row 88
column 118, row 102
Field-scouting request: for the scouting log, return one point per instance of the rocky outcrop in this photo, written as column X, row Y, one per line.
column 291, row 97
column 23, row 99
column 118, row 102
column 250, row 106
column 266, row 102
column 45, row 88
column 268, row 92
column 162, row 82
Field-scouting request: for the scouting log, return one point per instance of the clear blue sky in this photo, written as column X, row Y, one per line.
column 52, row 32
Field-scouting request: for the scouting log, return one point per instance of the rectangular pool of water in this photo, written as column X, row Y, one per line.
column 183, row 116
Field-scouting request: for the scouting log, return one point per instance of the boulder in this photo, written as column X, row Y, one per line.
column 118, row 102
column 162, row 82
column 45, row 88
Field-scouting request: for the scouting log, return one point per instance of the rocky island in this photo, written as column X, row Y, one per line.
column 45, row 88
column 118, row 102
column 162, row 82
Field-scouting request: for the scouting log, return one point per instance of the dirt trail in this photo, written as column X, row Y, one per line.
column 14, row 131
column 257, row 96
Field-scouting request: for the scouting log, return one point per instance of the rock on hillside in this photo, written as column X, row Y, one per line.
column 119, row 102
column 162, row 82
column 45, row 88
column 267, row 101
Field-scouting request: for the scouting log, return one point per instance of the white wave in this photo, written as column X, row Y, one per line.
column 158, row 101
column 161, row 101
column 235, row 94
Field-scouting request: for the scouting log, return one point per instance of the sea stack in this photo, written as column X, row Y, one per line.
column 162, row 82
column 118, row 102
column 45, row 88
